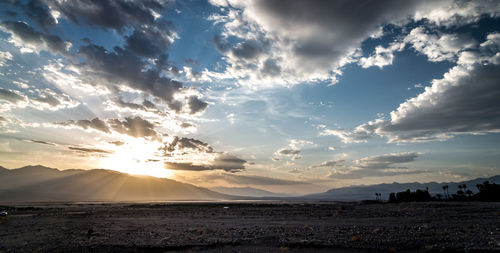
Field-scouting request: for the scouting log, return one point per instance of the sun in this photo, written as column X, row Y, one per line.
column 137, row 158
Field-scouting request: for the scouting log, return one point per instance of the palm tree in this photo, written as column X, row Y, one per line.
column 469, row 192
column 438, row 196
column 445, row 190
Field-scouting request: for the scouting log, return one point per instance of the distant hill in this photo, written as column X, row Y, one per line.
column 40, row 184
column 368, row 192
column 247, row 192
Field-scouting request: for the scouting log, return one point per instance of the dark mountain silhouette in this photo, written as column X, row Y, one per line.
column 247, row 192
column 40, row 184
column 368, row 192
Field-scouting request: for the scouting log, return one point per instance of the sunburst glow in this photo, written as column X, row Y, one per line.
column 136, row 157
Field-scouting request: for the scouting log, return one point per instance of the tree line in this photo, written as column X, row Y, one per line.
column 485, row 192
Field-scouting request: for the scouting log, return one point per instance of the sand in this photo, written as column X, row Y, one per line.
column 251, row 227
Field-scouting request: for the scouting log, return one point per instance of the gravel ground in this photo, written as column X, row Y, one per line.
column 252, row 227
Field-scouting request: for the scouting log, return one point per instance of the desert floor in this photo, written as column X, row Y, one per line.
column 251, row 227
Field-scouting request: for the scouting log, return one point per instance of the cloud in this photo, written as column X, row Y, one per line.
column 4, row 57
column 139, row 64
column 360, row 134
column 43, row 142
column 288, row 152
column 117, row 143
column 150, row 41
column 464, row 101
column 37, row 99
column 293, row 150
column 313, row 40
column 95, row 123
column 387, row 160
column 145, row 106
column 41, row 13
column 90, row 150
column 135, row 127
column 228, row 162
column 109, row 14
column 125, row 68
column 377, row 166
column 29, row 40
column 196, row 105
column 191, row 154
column 48, row 99
column 11, row 96
column 382, row 57
column 184, row 144
column 328, row 164
column 439, row 47
column 132, row 126
column 222, row 161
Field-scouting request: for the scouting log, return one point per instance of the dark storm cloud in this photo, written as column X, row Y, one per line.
column 10, row 96
column 38, row 11
column 122, row 66
column 28, row 35
column 338, row 24
column 196, row 105
column 136, row 127
column 90, row 150
column 110, row 14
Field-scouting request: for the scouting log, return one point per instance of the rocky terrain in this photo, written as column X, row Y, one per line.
column 251, row 227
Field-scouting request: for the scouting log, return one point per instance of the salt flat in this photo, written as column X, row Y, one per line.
column 251, row 227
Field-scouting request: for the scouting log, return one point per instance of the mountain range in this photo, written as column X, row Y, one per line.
column 368, row 192
column 40, row 184
column 44, row 184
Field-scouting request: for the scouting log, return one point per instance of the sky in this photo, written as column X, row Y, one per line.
column 293, row 97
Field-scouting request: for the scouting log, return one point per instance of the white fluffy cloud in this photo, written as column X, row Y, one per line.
column 382, row 56
column 464, row 101
column 439, row 47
